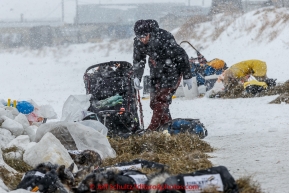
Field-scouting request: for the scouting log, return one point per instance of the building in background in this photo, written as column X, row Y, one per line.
column 97, row 21
column 118, row 20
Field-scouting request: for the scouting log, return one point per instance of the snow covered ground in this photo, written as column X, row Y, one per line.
column 250, row 135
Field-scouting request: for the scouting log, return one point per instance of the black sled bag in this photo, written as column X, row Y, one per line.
column 215, row 177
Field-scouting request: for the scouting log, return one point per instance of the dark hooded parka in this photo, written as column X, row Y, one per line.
column 171, row 60
column 168, row 62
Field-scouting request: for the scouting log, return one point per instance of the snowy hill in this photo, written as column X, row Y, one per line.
column 249, row 134
column 260, row 34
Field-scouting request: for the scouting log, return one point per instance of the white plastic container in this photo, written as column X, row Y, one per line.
column 194, row 92
column 180, row 92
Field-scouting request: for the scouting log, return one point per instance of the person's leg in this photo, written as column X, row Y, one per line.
column 162, row 98
column 159, row 105
column 166, row 116
column 154, row 89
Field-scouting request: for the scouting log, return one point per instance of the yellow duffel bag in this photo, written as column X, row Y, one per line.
column 217, row 63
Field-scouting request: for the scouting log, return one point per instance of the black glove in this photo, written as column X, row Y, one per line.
column 139, row 65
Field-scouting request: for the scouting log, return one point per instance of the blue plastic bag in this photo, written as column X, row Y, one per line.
column 24, row 107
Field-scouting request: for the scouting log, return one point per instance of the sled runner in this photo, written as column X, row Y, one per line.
column 114, row 98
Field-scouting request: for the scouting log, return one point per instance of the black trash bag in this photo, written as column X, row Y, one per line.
column 37, row 181
column 218, row 177
column 270, row 82
column 254, row 89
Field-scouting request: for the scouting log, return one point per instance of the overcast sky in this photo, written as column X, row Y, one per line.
column 11, row 10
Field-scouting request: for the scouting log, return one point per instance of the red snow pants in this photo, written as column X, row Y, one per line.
column 160, row 100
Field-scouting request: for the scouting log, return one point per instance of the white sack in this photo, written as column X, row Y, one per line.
column 5, row 137
column 48, row 149
column 95, row 125
column 47, row 112
column 84, row 137
column 30, row 131
column 5, row 113
column 22, row 119
column 13, row 110
column 13, row 126
column 20, row 142
column 73, row 107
